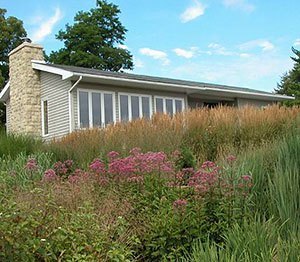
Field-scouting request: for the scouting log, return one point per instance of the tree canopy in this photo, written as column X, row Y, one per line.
column 290, row 81
column 94, row 40
column 12, row 31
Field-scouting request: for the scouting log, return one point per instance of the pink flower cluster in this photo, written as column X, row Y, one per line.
column 31, row 165
column 63, row 168
column 205, row 178
column 97, row 167
column 78, row 176
column 180, row 204
column 140, row 163
column 50, row 176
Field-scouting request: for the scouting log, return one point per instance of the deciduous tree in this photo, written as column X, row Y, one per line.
column 11, row 32
column 94, row 40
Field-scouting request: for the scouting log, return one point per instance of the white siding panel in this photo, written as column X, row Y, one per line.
column 55, row 91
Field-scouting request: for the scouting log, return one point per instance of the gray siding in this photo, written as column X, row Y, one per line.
column 250, row 102
column 7, row 115
column 117, row 90
column 55, row 91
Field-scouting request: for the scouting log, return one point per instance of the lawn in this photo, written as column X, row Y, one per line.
column 205, row 185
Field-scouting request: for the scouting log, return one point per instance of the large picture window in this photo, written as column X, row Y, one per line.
column 169, row 105
column 96, row 108
column 133, row 106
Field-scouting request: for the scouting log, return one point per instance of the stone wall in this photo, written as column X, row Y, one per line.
column 25, row 90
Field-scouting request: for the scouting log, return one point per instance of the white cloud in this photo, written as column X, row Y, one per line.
column 265, row 45
column 219, row 50
column 244, row 55
column 241, row 4
column 192, row 12
column 155, row 54
column 184, row 53
column 237, row 71
column 297, row 42
column 46, row 26
column 138, row 63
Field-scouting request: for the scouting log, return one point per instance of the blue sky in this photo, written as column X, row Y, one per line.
column 234, row 42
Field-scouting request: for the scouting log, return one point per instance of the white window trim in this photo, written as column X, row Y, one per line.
column 129, row 95
column 164, row 98
column 43, row 116
column 101, row 92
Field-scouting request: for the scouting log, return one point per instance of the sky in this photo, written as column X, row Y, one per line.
column 243, row 43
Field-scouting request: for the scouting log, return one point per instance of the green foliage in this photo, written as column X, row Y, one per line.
column 257, row 240
column 12, row 145
column 186, row 158
column 93, row 40
column 11, row 30
column 290, row 82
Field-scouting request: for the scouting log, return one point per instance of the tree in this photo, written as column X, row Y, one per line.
column 12, row 31
column 290, row 82
column 94, row 40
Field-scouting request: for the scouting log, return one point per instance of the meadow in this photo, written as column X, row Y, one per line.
column 206, row 185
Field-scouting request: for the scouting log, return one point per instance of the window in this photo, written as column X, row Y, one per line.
column 169, row 105
column 96, row 108
column 45, row 125
column 84, row 109
column 133, row 106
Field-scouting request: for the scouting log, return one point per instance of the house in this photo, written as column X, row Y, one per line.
column 53, row 100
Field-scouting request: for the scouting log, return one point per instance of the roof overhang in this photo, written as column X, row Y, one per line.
column 4, row 94
column 189, row 90
column 203, row 89
column 42, row 66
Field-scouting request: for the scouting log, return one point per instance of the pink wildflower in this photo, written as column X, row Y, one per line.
column 231, row 159
column 50, row 175
column 208, row 164
column 31, row 165
column 180, row 204
column 97, row 166
column 135, row 151
column 247, row 178
column 113, row 155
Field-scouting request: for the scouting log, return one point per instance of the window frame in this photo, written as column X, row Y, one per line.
column 90, row 106
column 173, row 98
column 140, row 96
column 44, row 134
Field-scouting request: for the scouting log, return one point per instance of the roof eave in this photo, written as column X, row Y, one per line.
column 4, row 94
column 191, row 89
column 42, row 66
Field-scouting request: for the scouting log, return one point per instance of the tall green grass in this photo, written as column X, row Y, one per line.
column 209, row 134
column 12, row 145
column 255, row 240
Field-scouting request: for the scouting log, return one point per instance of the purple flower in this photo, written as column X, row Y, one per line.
column 113, row 155
column 180, row 204
column 31, row 165
column 97, row 166
column 50, row 175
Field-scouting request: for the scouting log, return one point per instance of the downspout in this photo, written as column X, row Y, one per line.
column 70, row 105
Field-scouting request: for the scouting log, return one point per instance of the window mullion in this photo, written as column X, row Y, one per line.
column 90, row 109
column 129, row 108
column 102, row 110
column 164, row 106
column 141, row 106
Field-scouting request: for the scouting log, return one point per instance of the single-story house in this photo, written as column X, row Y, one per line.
column 51, row 101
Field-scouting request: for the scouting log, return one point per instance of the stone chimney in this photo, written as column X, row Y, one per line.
column 25, row 90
